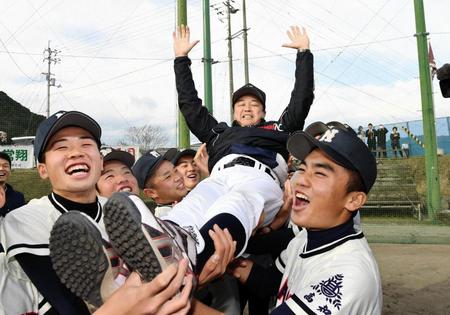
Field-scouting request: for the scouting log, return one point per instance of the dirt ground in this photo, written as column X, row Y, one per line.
column 416, row 278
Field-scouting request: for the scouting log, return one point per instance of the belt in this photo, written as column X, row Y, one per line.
column 244, row 161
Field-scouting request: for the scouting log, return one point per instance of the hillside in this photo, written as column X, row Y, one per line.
column 17, row 120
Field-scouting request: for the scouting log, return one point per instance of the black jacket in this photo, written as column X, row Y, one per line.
column 14, row 199
column 222, row 139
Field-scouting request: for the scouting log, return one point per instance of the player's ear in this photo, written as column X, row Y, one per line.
column 42, row 169
column 355, row 200
column 150, row 192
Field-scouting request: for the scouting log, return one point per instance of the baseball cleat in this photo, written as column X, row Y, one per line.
column 83, row 260
column 147, row 244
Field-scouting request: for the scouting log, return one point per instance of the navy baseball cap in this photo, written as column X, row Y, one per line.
column 183, row 152
column 60, row 120
column 121, row 156
column 342, row 145
column 318, row 128
column 147, row 164
column 250, row 89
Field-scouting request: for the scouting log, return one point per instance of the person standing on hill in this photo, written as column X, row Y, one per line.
column 395, row 142
column 381, row 141
column 371, row 140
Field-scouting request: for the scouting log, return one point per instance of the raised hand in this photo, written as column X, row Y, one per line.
column 181, row 41
column 299, row 38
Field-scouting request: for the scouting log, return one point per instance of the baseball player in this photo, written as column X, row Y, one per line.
column 328, row 268
column 116, row 174
column 248, row 159
column 185, row 164
column 67, row 150
column 163, row 182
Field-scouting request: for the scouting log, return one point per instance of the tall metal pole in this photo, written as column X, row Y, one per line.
column 244, row 13
column 51, row 57
column 207, row 61
column 230, row 59
column 429, row 130
column 183, row 130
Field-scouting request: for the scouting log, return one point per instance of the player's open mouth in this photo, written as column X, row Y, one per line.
column 125, row 189
column 192, row 176
column 2, row 173
column 77, row 168
column 301, row 200
column 247, row 116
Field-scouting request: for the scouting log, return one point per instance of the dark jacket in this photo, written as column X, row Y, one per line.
column 222, row 139
column 395, row 140
column 381, row 136
column 14, row 199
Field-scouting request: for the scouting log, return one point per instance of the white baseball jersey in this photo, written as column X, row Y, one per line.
column 27, row 230
column 340, row 277
column 248, row 193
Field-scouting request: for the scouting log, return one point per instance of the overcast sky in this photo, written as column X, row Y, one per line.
column 117, row 59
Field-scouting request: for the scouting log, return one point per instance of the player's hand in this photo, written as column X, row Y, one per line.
column 181, row 41
column 217, row 264
column 159, row 296
column 299, row 38
column 201, row 160
column 240, row 269
column 2, row 197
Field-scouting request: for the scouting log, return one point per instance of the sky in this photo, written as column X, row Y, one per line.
column 116, row 58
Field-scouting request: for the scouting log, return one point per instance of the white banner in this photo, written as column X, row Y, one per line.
column 22, row 156
column 133, row 150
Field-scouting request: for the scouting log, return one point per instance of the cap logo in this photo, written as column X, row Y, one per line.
column 155, row 154
column 329, row 135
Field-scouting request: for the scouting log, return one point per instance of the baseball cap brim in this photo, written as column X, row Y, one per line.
column 301, row 144
column 180, row 154
column 248, row 90
column 68, row 119
column 148, row 164
column 121, row 156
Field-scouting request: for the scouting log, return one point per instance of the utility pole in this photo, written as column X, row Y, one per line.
column 245, row 29
column 230, row 10
column 207, row 61
column 51, row 57
column 429, row 129
column 183, row 130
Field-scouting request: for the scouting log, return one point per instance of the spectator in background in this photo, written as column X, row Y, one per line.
column 405, row 149
column 371, row 139
column 14, row 199
column 3, row 137
column 361, row 134
column 381, row 141
column 395, row 142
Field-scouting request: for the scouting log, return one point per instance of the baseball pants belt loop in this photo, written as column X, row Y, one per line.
column 244, row 161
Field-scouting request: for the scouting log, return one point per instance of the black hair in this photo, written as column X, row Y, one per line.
column 355, row 182
column 5, row 156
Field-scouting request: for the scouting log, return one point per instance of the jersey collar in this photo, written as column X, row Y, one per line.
column 94, row 210
column 319, row 242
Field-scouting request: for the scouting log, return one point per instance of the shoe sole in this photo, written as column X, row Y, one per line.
column 123, row 223
column 77, row 255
